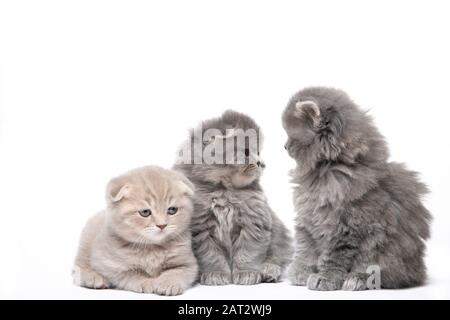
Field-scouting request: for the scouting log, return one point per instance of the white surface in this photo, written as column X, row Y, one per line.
column 93, row 88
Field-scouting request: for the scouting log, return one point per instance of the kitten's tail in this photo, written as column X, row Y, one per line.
column 405, row 188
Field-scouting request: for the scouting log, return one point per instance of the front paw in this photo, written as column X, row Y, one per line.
column 88, row 278
column 298, row 275
column 167, row 287
column 355, row 282
column 246, row 278
column 321, row 282
column 139, row 286
column 215, row 278
column 271, row 272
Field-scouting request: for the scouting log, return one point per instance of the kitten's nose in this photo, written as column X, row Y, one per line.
column 258, row 163
column 285, row 146
column 161, row 226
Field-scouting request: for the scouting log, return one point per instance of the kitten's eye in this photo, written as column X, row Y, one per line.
column 145, row 212
column 247, row 152
column 172, row 210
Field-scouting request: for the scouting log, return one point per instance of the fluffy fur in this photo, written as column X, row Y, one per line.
column 354, row 208
column 237, row 238
column 121, row 248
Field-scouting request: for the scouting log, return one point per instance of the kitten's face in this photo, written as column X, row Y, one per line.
column 243, row 162
column 325, row 126
column 300, row 132
column 231, row 151
column 312, row 116
column 149, row 205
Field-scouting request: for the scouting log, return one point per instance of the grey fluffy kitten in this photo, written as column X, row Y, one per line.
column 354, row 208
column 237, row 238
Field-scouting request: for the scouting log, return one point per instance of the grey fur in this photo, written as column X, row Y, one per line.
column 354, row 208
column 237, row 238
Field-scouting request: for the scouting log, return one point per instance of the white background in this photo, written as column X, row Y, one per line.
column 93, row 88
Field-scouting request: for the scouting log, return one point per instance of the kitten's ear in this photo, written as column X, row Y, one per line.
column 307, row 108
column 186, row 185
column 117, row 190
column 211, row 135
column 229, row 134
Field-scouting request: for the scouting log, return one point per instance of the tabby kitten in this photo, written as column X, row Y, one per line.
column 142, row 241
column 237, row 238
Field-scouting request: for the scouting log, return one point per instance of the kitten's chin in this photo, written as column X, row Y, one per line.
column 159, row 236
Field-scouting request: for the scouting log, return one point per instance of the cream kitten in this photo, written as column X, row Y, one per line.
column 142, row 241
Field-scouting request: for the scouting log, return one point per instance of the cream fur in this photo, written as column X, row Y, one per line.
column 121, row 249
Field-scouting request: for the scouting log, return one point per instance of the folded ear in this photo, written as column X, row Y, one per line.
column 117, row 190
column 229, row 134
column 307, row 108
column 212, row 135
column 186, row 185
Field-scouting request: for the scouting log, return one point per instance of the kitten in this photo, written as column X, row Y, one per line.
column 237, row 238
column 142, row 241
column 354, row 208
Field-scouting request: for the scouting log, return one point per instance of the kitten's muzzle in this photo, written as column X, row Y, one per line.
column 254, row 166
column 289, row 147
column 288, row 144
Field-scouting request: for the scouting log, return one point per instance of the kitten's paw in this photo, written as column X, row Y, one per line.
column 317, row 281
column 299, row 279
column 167, row 288
column 143, row 286
column 215, row 278
column 89, row 278
column 355, row 282
column 271, row 272
column 247, row 278
column 298, row 276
